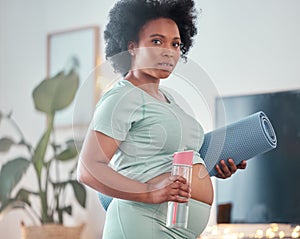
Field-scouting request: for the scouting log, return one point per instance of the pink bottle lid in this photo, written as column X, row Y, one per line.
column 184, row 157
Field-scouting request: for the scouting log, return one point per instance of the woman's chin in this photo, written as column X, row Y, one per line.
column 163, row 74
column 158, row 73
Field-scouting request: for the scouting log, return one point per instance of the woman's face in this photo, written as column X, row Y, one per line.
column 158, row 49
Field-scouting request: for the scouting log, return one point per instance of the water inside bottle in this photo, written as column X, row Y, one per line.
column 177, row 215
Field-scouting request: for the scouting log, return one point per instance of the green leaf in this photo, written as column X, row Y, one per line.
column 5, row 144
column 69, row 153
column 66, row 155
column 67, row 209
column 40, row 150
column 10, row 174
column 79, row 191
column 56, row 93
column 71, row 143
column 23, row 195
column 58, row 185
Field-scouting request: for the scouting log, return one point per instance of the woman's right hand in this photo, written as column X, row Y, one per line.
column 172, row 188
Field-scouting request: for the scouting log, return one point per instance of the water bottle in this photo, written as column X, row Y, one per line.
column 177, row 215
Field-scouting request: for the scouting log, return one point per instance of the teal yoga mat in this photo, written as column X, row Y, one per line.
column 241, row 140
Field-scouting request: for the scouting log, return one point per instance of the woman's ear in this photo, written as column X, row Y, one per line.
column 131, row 48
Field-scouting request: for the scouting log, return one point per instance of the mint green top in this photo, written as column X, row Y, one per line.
column 150, row 130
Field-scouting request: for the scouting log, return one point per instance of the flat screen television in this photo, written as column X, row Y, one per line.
column 269, row 189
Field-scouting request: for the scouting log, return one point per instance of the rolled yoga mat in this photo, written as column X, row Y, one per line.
column 241, row 140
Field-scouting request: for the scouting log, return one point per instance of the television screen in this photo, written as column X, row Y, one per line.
column 269, row 189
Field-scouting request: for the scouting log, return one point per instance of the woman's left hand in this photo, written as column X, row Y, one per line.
column 226, row 171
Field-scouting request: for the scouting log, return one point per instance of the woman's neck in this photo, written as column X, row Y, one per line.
column 147, row 83
column 143, row 81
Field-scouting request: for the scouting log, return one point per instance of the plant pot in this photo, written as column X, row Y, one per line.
column 51, row 231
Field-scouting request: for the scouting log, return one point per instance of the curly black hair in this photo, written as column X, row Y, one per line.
column 127, row 17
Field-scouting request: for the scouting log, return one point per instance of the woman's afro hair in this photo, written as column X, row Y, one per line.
column 127, row 17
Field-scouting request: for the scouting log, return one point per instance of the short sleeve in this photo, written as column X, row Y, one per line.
column 115, row 113
column 197, row 159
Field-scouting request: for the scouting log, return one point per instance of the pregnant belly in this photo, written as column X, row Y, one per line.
column 202, row 189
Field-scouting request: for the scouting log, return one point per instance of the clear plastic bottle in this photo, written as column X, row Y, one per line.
column 177, row 215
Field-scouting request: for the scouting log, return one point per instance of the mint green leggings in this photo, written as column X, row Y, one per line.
column 134, row 220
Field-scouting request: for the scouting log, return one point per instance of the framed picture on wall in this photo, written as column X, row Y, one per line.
column 75, row 47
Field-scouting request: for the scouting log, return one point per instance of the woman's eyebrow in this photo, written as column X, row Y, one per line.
column 157, row 35
column 162, row 36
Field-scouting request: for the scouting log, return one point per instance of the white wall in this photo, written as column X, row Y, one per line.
column 250, row 46
column 23, row 31
column 246, row 46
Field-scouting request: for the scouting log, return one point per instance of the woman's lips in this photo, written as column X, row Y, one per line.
column 165, row 66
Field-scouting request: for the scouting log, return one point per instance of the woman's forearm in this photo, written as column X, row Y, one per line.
column 116, row 185
column 104, row 179
column 94, row 171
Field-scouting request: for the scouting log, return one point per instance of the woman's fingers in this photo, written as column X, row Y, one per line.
column 180, row 190
column 178, row 199
column 232, row 167
column 174, row 188
column 225, row 171
column 177, row 178
column 242, row 165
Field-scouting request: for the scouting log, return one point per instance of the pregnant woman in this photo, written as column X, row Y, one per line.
column 137, row 126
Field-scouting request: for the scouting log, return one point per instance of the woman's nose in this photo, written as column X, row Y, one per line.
column 166, row 51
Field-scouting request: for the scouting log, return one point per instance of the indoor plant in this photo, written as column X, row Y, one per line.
column 51, row 95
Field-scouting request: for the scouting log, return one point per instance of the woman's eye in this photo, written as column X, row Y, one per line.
column 157, row 42
column 176, row 44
